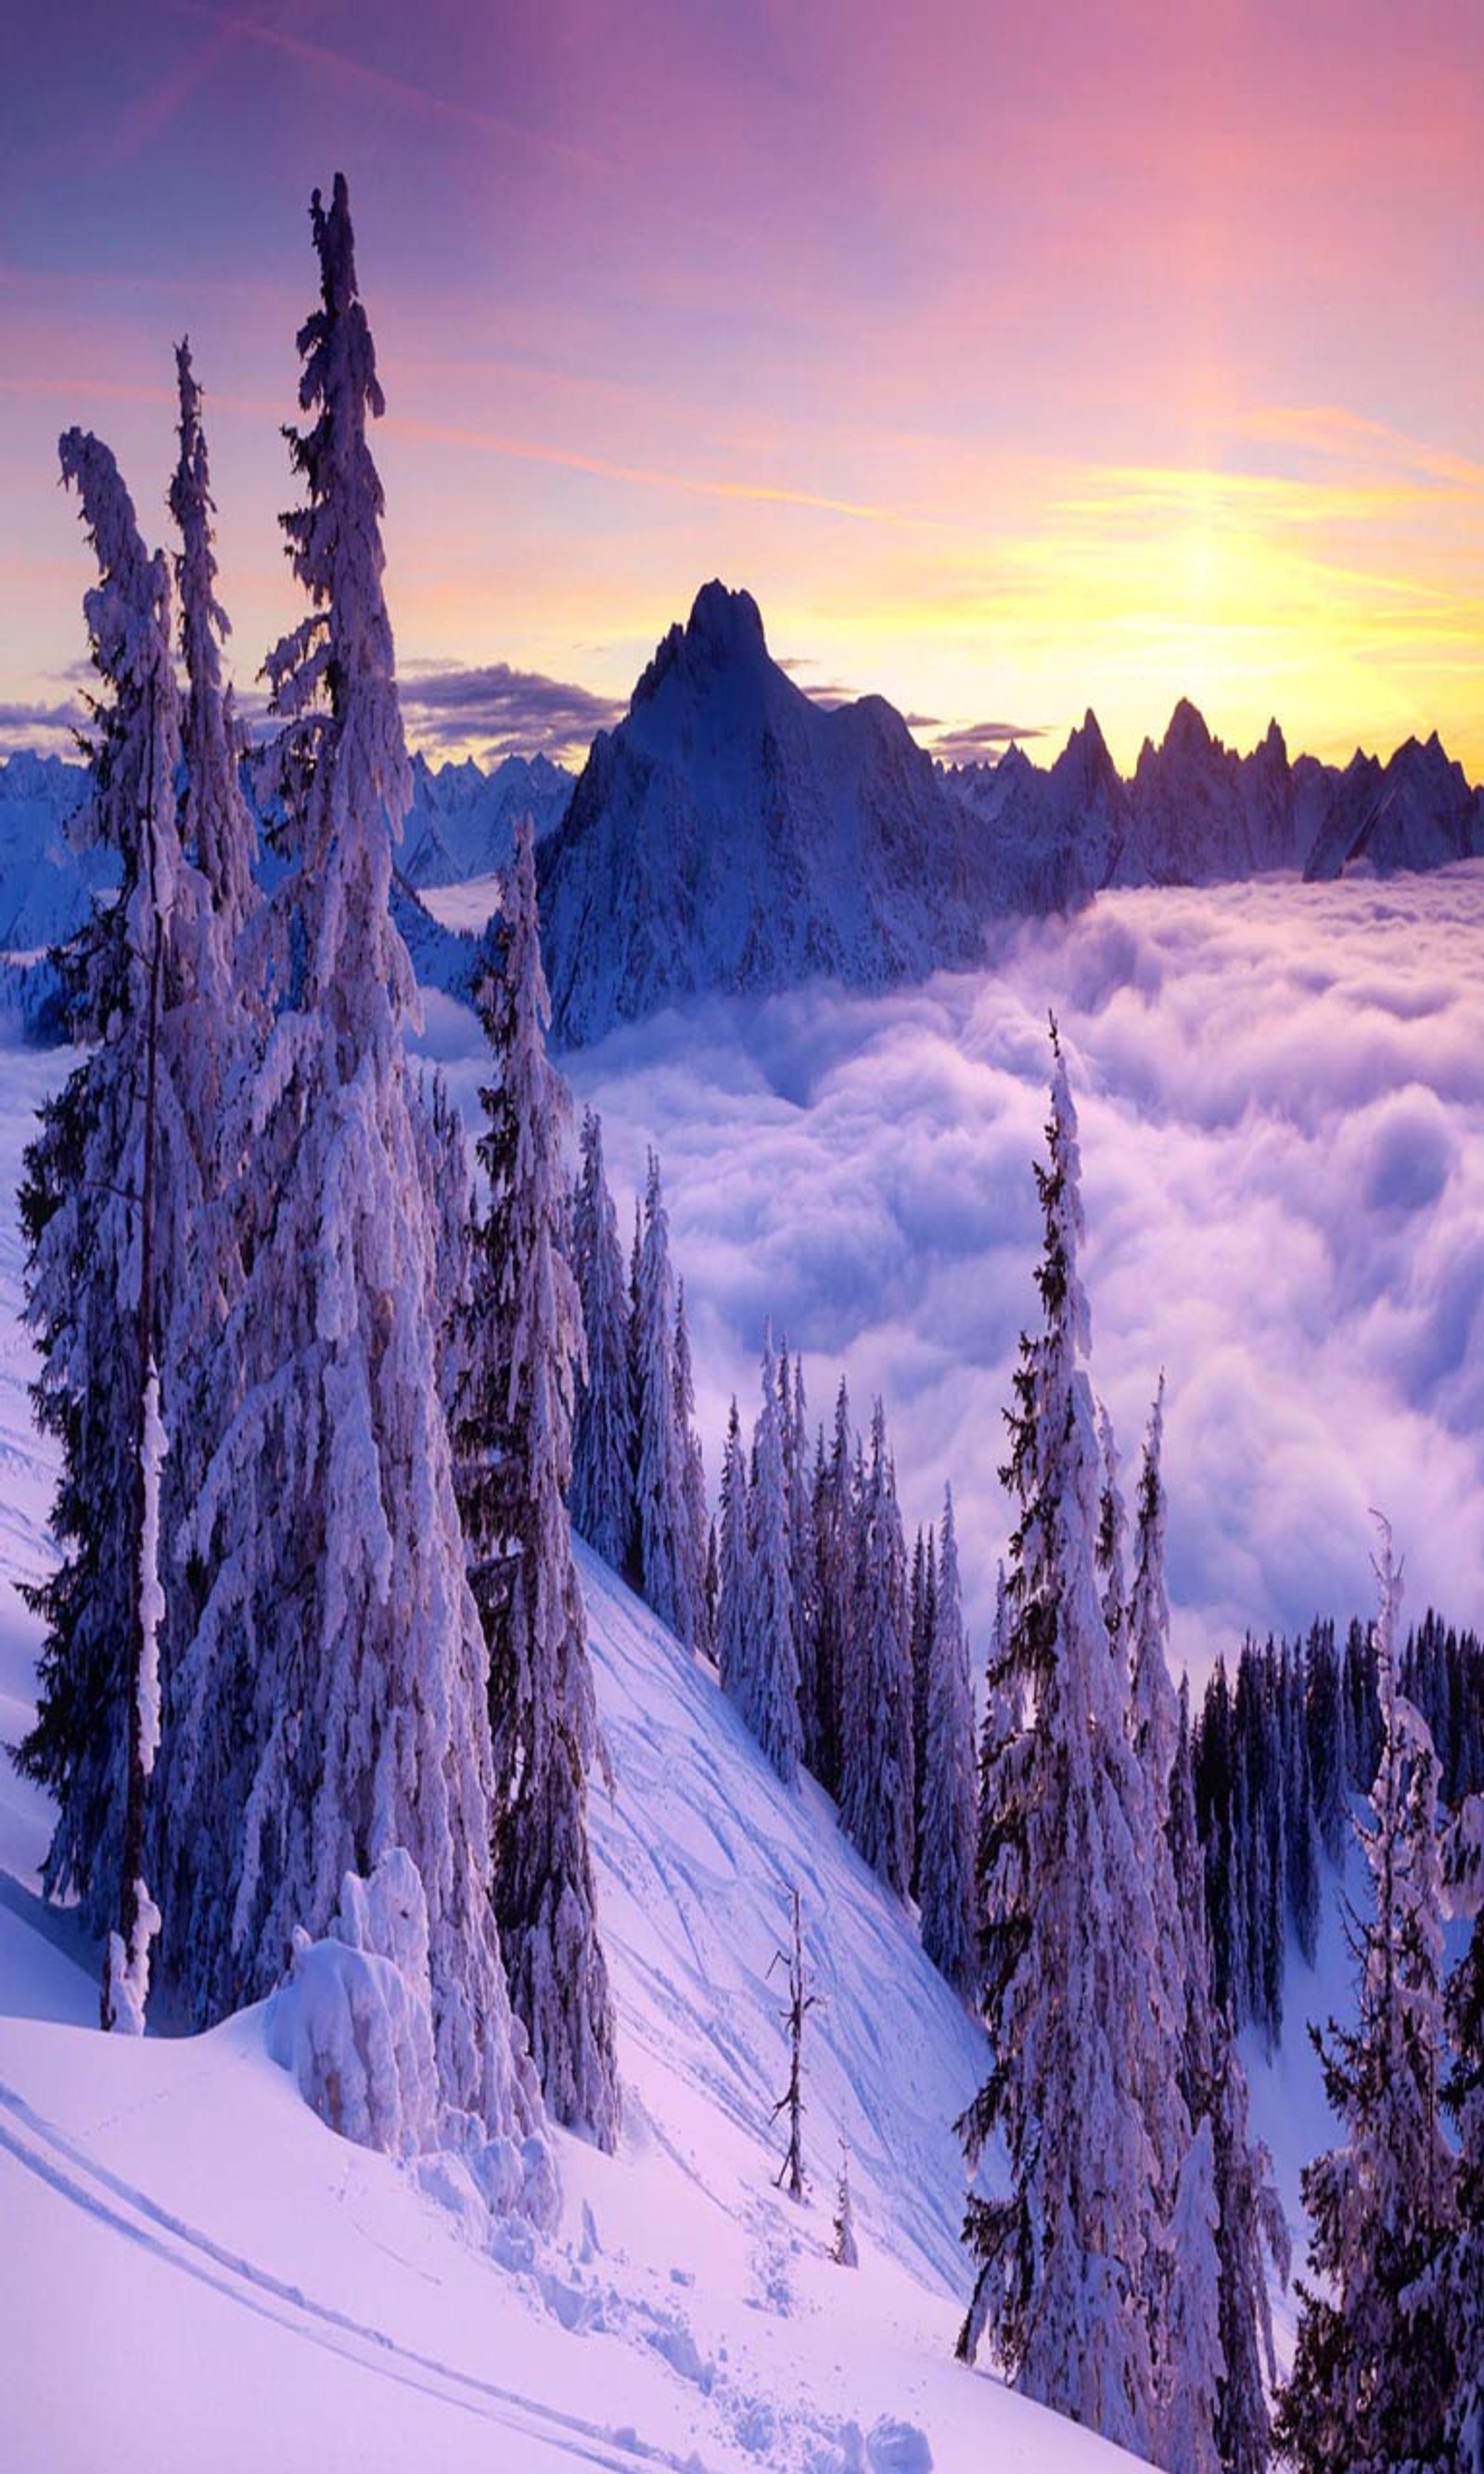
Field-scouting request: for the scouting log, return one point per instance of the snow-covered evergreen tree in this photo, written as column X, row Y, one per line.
column 1371, row 2374
column 833, row 1522
column 442, row 1152
column 515, row 1462
column 1112, row 1536
column 803, row 1554
column 339, row 1629
column 695, row 1525
column 1456, row 2292
column 661, row 1556
column 1193, row 2363
column 220, row 1018
column 876, row 1727
column 845, row 2251
column 602, row 1475
column 1329, row 1750
column 110, row 1207
column 1182, row 2272
column 216, row 823
column 1301, row 1825
column 950, row 1802
column 1071, row 1938
column 919, row 1640
column 1250, row 2229
column 734, row 1598
column 772, row 1654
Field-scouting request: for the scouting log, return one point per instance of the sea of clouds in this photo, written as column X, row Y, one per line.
column 1281, row 1099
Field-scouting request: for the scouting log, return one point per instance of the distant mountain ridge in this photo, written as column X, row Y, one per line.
column 731, row 835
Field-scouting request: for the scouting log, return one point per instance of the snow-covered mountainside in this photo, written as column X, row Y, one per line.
column 1417, row 812
column 299, row 2301
column 46, row 881
column 462, row 822
column 732, row 835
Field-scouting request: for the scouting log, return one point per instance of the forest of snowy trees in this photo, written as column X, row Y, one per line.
column 316, row 1708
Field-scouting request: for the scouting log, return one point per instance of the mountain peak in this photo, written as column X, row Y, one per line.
column 724, row 620
column 723, row 632
column 1187, row 730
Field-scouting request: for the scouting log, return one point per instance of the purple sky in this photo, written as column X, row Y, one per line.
column 1015, row 359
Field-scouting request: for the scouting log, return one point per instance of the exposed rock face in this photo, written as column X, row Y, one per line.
column 732, row 835
column 462, row 820
column 1417, row 812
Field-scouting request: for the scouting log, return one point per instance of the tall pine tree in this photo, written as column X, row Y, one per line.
column 110, row 1207
column 772, row 1656
column 339, row 1627
column 950, row 1807
column 1072, row 1960
column 515, row 1460
column 876, row 1718
column 1373, row 2373
column 603, row 1477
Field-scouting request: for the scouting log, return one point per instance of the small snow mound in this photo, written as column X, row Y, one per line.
column 355, row 2023
column 895, row 2447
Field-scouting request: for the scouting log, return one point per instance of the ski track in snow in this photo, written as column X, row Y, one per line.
column 41, row 2149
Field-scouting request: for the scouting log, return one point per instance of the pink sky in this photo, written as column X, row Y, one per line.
column 1015, row 359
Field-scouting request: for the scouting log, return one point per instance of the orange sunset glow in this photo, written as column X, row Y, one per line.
column 1015, row 368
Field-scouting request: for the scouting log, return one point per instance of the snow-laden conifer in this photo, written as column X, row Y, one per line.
column 1251, row 2231
column 845, row 2251
column 515, row 1462
column 443, row 1153
column 1371, row 2375
column 339, row 1630
column 602, row 1475
column 876, row 1712
column 661, row 1566
column 1070, row 1942
column 1328, row 1747
column 798, row 1490
column 734, row 1599
column 1456, row 2288
column 695, row 1525
column 834, row 1523
column 1300, row 1826
column 919, row 1640
column 1184, row 2273
column 222, row 1016
column 109, row 1207
column 950, row 1801
column 773, row 1655
column 1112, row 1536
column 1194, row 2364
column 216, row 823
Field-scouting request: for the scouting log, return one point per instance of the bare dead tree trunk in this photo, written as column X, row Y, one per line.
column 801, row 2001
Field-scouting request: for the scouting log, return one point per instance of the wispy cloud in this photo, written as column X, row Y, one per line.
column 422, row 102
column 977, row 740
column 648, row 477
column 51, row 729
column 503, row 711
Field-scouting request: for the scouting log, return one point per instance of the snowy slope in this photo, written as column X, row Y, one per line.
column 196, row 2273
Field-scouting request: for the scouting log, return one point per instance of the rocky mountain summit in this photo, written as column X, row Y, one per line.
column 732, row 836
